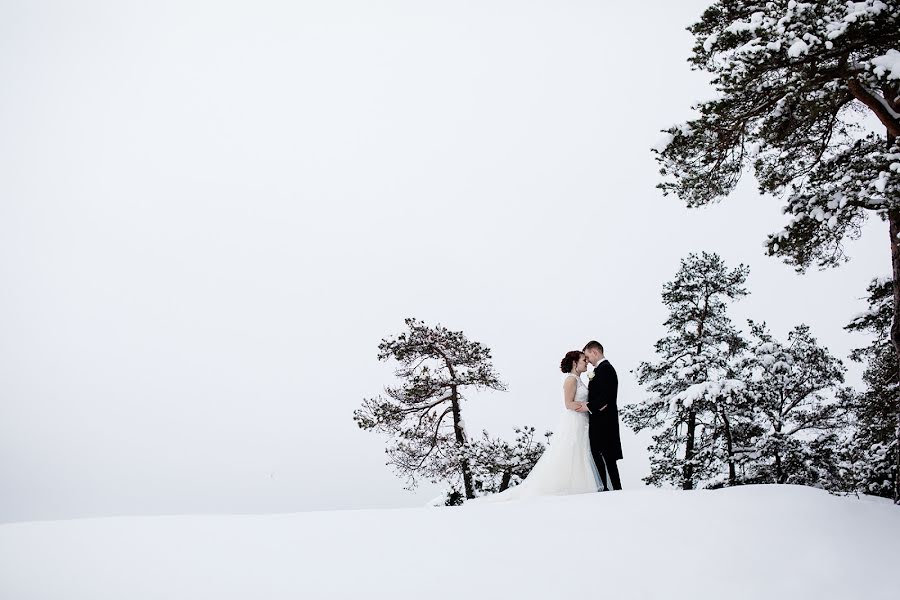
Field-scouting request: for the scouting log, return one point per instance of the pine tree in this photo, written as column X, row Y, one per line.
column 800, row 406
column 498, row 464
column 735, row 420
column 800, row 85
column 691, row 385
column 423, row 415
column 876, row 446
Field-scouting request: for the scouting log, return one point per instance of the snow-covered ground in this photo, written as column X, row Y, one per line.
column 760, row 542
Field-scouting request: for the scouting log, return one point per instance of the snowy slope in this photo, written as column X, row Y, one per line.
column 753, row 542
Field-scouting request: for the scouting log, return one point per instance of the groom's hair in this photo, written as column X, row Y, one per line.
column 593, row 345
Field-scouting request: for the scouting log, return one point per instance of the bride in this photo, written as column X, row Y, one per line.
column 567, row 466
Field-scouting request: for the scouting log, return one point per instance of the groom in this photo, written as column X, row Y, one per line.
column 604, row 424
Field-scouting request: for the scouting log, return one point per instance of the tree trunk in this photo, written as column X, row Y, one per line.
column 779, row 473
column 897, row 464
column 461, row 441
column 729, row 446
column 890, row 122
column 894, row 221
column 504, row 483
column 892, row 128
column 687, row 482
column 688, row 473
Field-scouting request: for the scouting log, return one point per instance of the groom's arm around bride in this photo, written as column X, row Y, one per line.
column 606, row 447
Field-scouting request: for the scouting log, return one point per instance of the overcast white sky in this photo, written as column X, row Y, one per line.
column 211, row 213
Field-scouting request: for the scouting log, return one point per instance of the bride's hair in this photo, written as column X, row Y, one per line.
column 569, row 360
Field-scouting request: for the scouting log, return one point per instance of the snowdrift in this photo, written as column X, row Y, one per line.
column 760, row 542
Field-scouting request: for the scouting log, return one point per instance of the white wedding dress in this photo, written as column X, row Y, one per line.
column 566, row 466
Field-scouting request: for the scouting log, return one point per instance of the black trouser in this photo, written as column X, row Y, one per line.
column 601, row 460
column 613, row 471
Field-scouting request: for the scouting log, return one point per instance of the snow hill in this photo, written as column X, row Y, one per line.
column 760, row 542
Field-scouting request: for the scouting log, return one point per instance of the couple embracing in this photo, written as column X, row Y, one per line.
column 585, row 446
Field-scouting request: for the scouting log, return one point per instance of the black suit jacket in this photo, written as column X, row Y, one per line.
column 603, row 390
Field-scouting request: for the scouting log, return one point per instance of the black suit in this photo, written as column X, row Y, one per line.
column 604, row 429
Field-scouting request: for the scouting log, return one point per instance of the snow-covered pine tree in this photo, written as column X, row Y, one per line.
column 690, row 388
column 876, row 446
column 424, row 413
column 735, row 422
column 498, row 464
column 800, row 406
column 809, row 96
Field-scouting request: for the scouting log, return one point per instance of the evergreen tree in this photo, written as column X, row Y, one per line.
column 423, row 415
column 498, row 464
column 735, row 421
column 800, row 407
column 876, row 447
column 691, row 385
column 800, row 85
